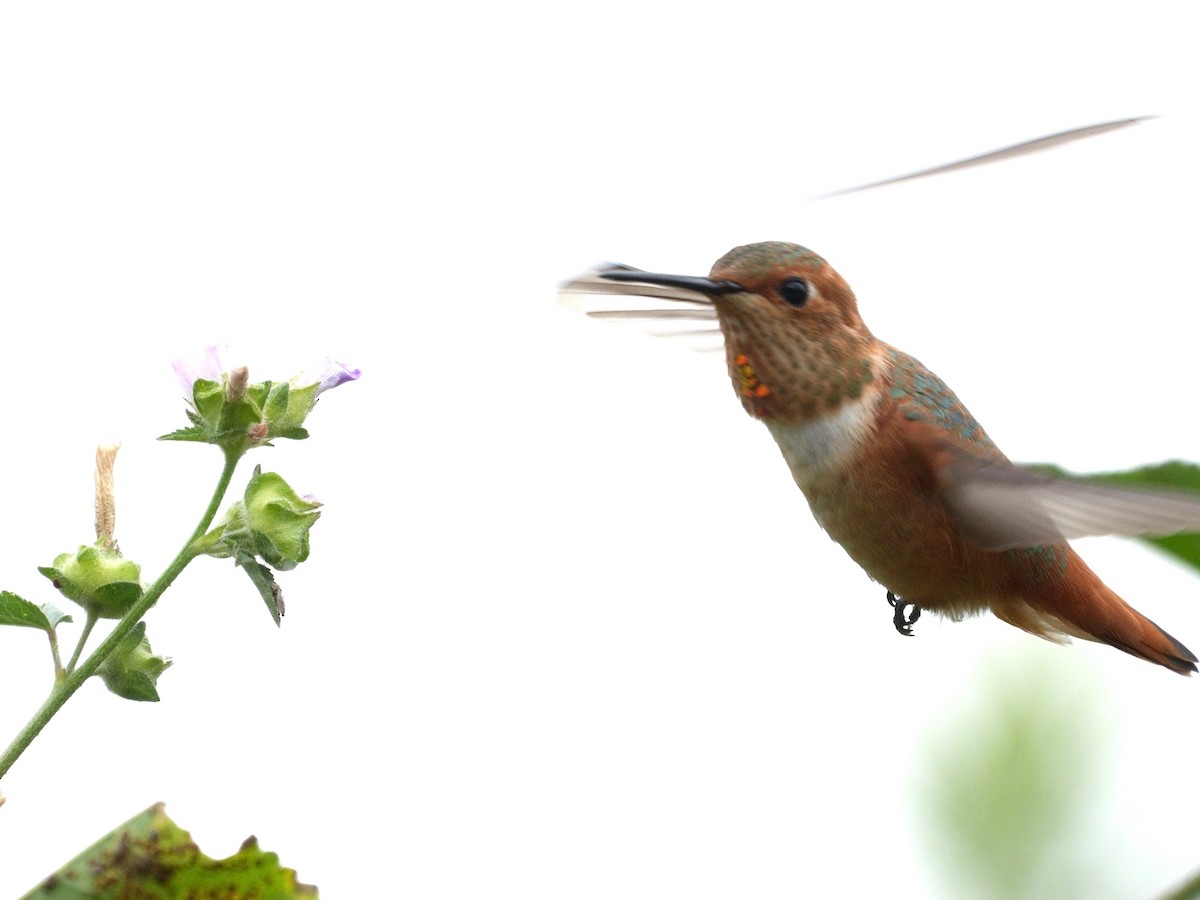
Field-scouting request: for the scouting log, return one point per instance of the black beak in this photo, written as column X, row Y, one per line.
column 705, row 286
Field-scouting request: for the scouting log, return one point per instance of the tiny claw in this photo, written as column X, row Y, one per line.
column 903, row 625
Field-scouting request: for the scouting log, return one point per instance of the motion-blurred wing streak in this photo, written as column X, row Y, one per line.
column 1003, row 507
column 1025, row 147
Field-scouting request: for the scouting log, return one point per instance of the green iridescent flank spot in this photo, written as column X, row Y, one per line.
column 1049, row 561
column 754, row 260
column 930, row 400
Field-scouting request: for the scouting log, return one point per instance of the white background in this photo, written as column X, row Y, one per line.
column 568, row 629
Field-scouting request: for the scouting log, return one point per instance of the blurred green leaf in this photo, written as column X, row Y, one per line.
column 1008, row 780
column 151, row 857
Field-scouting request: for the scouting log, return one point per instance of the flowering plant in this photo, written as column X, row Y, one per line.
column 265, row 531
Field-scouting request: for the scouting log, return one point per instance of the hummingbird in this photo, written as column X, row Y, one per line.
column 896, row 469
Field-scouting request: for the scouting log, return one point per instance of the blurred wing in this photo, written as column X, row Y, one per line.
column 661, row 311
column 1034, row 146
column 1001, row 507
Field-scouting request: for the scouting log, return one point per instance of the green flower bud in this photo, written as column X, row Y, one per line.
column 131, row 670
column 271, row 522
column 97, row 578
column 279, row 520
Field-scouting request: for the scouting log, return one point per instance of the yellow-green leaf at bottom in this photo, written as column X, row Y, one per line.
column 151, row 857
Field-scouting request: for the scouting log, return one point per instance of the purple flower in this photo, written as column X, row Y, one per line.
column 207, row 367
column 329, row 376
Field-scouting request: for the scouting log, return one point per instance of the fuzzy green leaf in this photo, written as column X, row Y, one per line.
column 186, row 434
column 264, row 583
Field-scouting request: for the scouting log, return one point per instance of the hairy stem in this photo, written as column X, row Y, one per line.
column 88, row 625
column 74, row 679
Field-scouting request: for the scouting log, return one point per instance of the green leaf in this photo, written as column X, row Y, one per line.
column 1005, row 782
column 16, row 610
column 153, row 858
column 185, row 434
column 1174, row 474
column 265, row 583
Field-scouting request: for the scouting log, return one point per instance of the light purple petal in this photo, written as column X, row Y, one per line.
column 207, row 366
column 332, row 374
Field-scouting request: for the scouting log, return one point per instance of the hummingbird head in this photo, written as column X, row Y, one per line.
column 795, row 344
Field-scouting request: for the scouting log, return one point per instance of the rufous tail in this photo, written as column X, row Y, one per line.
column 1084, row 606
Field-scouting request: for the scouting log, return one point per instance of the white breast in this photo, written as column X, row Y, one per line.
column 822, row 445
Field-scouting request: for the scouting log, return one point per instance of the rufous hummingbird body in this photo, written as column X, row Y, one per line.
column 896, row 469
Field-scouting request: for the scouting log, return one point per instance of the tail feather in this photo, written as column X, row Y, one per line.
column 1081, row 605
column 1156, row 646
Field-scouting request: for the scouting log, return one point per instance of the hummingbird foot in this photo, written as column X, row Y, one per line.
column 903, row 623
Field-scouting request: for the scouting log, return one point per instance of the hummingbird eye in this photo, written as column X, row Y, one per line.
column 794, row 291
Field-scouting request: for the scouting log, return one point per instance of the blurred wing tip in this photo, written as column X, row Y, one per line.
column 1003, row 507
column 1034, row 145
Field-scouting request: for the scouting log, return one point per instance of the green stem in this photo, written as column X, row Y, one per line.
column 59, row 673
column 64, row 689
column 1189, row 890
column 88, row 625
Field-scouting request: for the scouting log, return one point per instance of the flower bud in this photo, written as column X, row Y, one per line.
column 97, row 578
column 131, row 670
column 270, row 522
column 279, row 519
column 227, row 410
